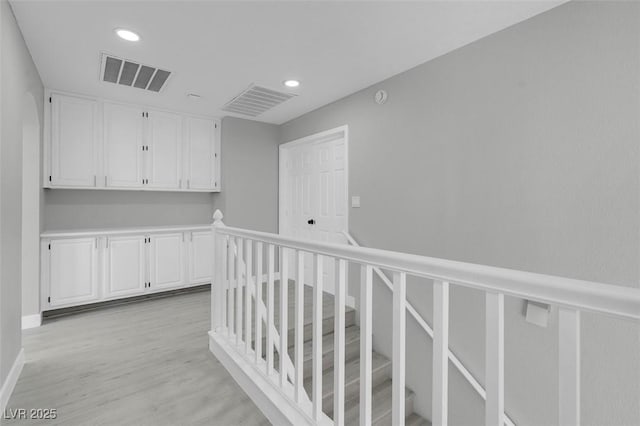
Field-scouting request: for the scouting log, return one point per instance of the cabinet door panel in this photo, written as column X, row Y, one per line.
column 123, row 141
column 124, row 266
column 74, row 140
column 200, row 257
column 164, row 155
column 167, row 261
column 201, row 160
column 73, row 277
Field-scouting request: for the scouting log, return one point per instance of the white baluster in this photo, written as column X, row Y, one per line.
column 366, row 331
column 232, row 285
column 299, row 329
column 440, row 392
column 258, row 302
column 218, row 284
column 339, row 344
column 239, row 289
column 284, row 310
column 270, row 280
column 399, row 348
column 494, row 359
column 569, row 366
column 317, row 339
column 248, row 261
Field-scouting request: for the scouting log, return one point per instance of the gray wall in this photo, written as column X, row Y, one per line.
column 77, row 209
column 249, row 197
column 520, row 151
column 19, row 79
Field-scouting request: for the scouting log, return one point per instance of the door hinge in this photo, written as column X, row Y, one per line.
column 49, row 246
column 215, row 184
column 215, row 155
column 215, row 125
column 49, row 299
column 49, row 178
column 50, row 99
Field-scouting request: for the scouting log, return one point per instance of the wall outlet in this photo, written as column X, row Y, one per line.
column 355, row 201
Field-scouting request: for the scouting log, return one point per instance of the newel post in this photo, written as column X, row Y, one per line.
column 217, row 283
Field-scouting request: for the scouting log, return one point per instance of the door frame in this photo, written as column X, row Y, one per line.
column 326, row 135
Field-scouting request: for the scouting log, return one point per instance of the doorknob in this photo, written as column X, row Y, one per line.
column 311, row 222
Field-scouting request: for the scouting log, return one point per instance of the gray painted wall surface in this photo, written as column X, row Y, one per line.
column 521, row 151
column 19, row 77
column 249, row 197
column 79, row 208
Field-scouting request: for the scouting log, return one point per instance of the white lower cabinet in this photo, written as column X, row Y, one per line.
column 73, row 272
column 124, row 266
column 200, row 256
column 166, row 261
column 118, row 264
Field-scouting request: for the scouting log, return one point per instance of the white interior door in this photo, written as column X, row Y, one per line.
column 123, row 141
column 313, row 193
column 164, row 155
column 124, row 266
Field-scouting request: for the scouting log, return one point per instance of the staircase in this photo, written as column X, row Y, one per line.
column 381, row 366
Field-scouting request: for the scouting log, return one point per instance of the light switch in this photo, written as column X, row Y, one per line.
column 355, row 201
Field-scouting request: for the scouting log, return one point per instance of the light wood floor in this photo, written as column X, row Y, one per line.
column 146, row 363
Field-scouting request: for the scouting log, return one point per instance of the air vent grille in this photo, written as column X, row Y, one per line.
column 132, row 74
column 255, row 100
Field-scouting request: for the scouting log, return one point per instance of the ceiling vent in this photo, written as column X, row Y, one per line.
column 132, row 74
column 255, row 100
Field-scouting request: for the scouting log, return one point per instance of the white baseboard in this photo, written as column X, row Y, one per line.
column 31, row 321
column 12, row 378
column 270, row 400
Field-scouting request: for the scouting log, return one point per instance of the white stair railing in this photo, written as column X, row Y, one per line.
column 571, row 296
column 440, row 291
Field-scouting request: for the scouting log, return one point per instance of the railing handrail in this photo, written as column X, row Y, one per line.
column 590, row 296
column 475, row 384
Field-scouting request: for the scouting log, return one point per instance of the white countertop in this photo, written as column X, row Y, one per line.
column 100, row 232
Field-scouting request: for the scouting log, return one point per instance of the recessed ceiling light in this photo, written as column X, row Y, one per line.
column 291, row 83
column 127, row 35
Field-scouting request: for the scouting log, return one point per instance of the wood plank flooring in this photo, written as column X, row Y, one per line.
column 146, row 363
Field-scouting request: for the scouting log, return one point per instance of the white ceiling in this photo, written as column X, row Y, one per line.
column 216, row 49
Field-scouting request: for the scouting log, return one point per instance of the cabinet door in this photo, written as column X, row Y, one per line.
column 125, row 266
column 74, row 141
column 73, row 276
column 166, row 253
column 201, row 154
column 200, row 257
column 165, row 145
column 123, row 141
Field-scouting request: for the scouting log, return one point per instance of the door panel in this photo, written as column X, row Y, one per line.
column 124, row 266
column 123, row 141
column 164, row 156
column 167, row 261
column 200, row 257
column 74, row 141
column 73, row 277
column 201, row 160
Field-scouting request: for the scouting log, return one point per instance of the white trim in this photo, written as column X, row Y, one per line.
column 31, row 321
column 269, row 398
column 11, row 380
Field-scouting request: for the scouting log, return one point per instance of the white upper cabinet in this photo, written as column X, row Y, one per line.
column 72, row 271
column 123, row 146
column 92, row 143
column 166, row 261
column 164, row 143
column 124, row 270
column 74, row 141
column 201, row 154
